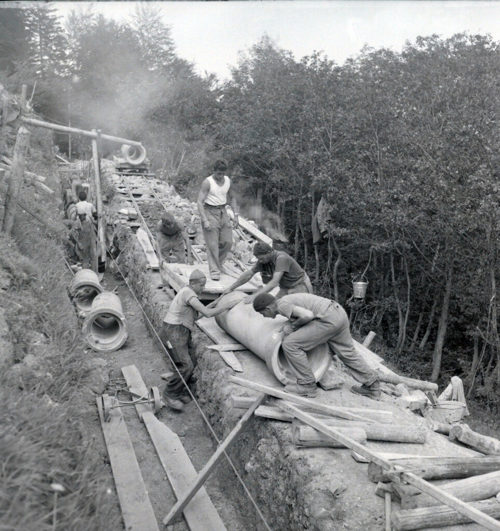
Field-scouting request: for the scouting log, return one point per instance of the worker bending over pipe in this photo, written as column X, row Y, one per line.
column 176, row 331
column 277, row 268
column 314, row 320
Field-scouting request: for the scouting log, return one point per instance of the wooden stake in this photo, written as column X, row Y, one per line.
column 16, row 178
column 202, row 476
column 387, row 498
column 98, row 192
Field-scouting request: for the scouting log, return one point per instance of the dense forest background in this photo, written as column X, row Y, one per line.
column 402, row 148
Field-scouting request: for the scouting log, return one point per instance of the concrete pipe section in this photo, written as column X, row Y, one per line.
column 263, row 337
column 134, row 155
column 83, row 289
column 105, row 329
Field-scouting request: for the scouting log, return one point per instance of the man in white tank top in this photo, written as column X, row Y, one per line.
column 215, row 193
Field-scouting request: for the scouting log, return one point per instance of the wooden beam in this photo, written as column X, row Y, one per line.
column 251, row 229
column 482, row 443
column 98, row 193
column 202, row 476
column 147, row 247
column 412, row 479
column 90, row 134
column 295, row 399
column 200, row 513
column 440, row 516
column 440, row 467
column 16, row 178
column 136, row 507
column 228, row 346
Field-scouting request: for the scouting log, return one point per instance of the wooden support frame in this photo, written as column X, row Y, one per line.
column 202, row 476
column 462, row 507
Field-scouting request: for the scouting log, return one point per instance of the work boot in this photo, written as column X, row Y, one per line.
column 310, row 390
column 369, row 390
column 173, row 403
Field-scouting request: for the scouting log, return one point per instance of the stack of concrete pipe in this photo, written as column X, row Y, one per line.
column 104, row 326
column 83, row 289
column 263, row 337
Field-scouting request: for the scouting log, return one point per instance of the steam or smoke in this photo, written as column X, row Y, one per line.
column 268, row 222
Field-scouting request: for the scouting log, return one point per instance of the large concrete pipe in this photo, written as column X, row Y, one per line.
column 134, row 155
column 83, row 289
column 263, row 337
column 105, row 328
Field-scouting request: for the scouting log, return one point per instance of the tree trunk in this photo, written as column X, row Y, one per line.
column 398, row 303
column 442, row 327
column 399, row 347
column 429, row 324
column 16, row 178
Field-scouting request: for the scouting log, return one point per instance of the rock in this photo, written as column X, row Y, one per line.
column 30, row 361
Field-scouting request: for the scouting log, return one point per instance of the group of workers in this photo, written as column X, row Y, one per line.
column 312, row 320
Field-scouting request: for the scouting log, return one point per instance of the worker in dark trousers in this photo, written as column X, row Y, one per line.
column 215, row 193
column 173, row 242
column 177, row 328
column 313, row 321
column 277, row 268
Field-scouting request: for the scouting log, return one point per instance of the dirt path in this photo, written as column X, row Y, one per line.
column 145, row 353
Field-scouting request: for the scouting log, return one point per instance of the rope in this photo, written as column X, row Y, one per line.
column 205, row 419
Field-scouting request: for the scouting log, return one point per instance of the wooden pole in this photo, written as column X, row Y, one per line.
column 202, row 476
column 388, row 503
column 24, row 93
column 83, row 132
column 99, row 206
column 439, row 467
column 460, row 506
column 295, row 399
column 5, row 110
column 16, row 178
column 440, row 516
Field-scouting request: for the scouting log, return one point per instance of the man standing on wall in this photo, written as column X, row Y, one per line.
column 277, row 268
column 214, row 195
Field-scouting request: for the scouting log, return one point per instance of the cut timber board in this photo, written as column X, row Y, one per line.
column 251, row 229
column 228, row 346
column 136, row 508
column 200, row 513
column 147, row 247
column 231, row 360
column 136, row 384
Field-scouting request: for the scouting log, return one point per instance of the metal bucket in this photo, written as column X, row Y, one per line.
column 359, row 289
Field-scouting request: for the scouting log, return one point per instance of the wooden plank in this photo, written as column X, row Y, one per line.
column 295, row 399
column 171, row 278
column 200, row 512
column 408, row 477
column 202, row 476
column 231, row 360
column 228, row 346
column 136, row 507
column 136, row 384
column 147, row 247
column 251, row 229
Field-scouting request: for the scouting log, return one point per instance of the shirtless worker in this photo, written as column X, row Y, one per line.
column 215, row 193
column 177, row 327
column 313, row 321
column 277, row 268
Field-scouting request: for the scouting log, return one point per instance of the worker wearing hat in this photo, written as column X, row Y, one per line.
column 176, row 332
column 277, row 268
column 313, row 321
column 172, row 241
